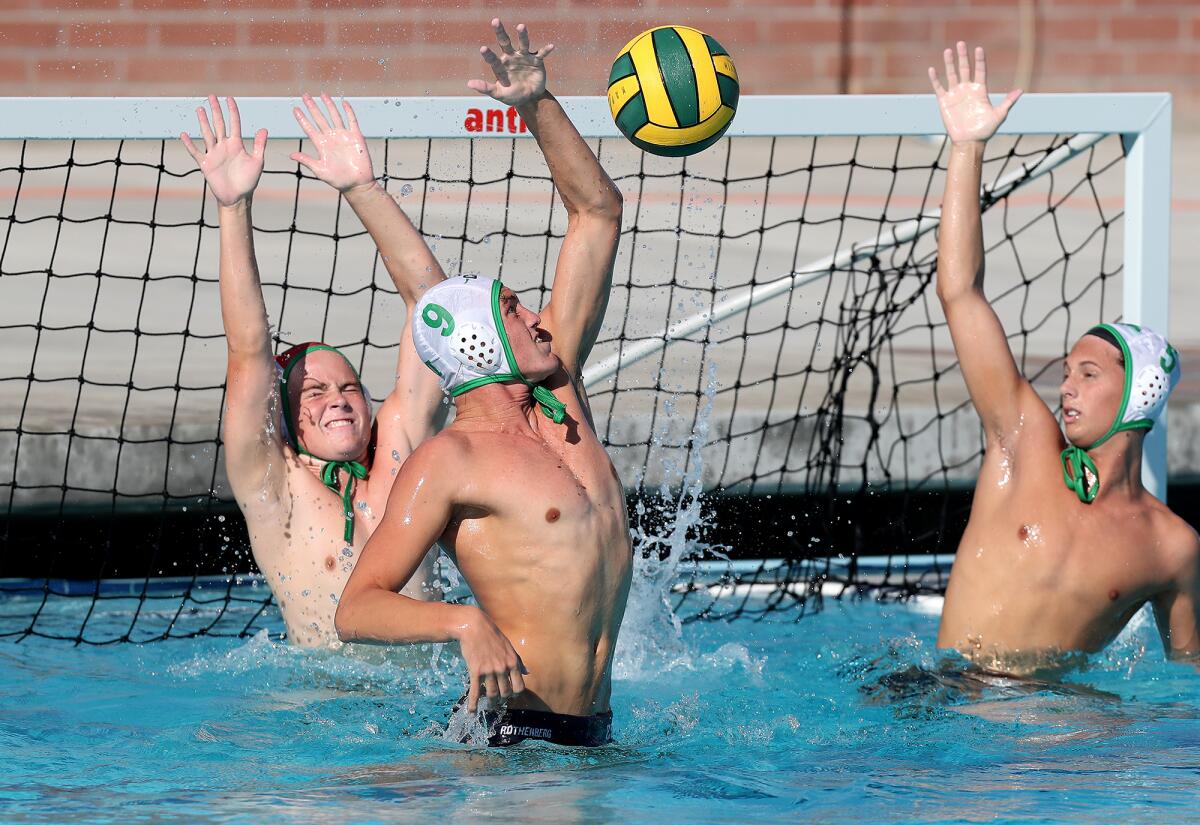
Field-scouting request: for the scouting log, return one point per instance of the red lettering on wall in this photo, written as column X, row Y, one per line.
column 495, row 120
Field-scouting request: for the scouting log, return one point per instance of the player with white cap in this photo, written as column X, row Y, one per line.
column 1048, row 570
column 518, row 488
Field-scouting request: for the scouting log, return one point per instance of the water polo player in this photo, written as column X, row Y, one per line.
column 1064, row 545
column 309, row 468
column 518, row 488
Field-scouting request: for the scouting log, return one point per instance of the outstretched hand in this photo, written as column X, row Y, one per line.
column 966, row 111
column 342, row 158
column 520, row 73
column 231, row 174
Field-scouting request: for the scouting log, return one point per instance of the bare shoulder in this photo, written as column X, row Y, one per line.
column 1179, row 542
column 447, row 448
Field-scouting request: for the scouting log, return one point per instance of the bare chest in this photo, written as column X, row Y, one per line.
column 301, row 547
column 537, row 506
column 1063, row 548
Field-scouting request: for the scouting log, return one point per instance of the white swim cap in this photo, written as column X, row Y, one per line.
column 1151, row 372
column 459, row 333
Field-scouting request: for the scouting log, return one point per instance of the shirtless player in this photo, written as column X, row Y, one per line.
column 313, row 481
column 519, row 489
column 1064, row 545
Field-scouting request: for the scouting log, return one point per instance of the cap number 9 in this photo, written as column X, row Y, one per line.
column 438, row 316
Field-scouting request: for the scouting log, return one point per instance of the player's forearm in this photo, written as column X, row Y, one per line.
column 960, row 237
column 407, row 257
column 243, row 311
column 380, row 616
column 578, row 176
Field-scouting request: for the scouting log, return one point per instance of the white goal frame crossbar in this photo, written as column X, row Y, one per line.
column 1142, row 120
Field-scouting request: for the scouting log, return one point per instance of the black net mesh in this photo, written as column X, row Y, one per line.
column 825, row 430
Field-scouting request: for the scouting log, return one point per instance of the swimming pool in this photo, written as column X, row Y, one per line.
column 773, row 721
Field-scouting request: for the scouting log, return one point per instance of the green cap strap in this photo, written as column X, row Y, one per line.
column 1076, row 465
column 551, row 407
column 329, row 477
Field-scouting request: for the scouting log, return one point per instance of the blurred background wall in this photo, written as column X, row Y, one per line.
column 415, row 47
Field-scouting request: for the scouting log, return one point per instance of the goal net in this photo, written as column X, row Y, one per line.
column 774, row 379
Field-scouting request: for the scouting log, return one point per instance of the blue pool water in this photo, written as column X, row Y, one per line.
column 837, row 718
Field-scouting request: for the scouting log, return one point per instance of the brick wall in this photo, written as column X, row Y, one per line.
column 410, row 47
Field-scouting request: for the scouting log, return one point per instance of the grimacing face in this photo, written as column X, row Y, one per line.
column 1092, row 386
column 331, row 413
column 529, row 342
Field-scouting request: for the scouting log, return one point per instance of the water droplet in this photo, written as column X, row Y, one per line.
column 406, row 189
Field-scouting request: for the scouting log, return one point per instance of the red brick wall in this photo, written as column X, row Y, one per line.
column 410, row 47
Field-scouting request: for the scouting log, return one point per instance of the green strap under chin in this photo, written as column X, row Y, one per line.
column 1075, row 460
column 329, row 477
column 551, row 407
column 1076, row 465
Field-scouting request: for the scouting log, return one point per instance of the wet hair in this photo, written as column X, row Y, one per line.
column 1105, row 335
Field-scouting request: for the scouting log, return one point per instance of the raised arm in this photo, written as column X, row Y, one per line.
column 991, row 374
column 344, row 163
column 370, row 610
column 413, row 404
column 252, row 440
column 583, row 276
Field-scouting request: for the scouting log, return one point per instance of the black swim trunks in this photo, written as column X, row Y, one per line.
column 513, row 725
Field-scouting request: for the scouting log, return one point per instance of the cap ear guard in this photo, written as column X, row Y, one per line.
column 476, row 346
column 1150, row 388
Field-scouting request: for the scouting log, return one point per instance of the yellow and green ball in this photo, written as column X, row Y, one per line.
column 673, row 91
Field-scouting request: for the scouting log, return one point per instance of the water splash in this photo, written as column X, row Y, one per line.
column 651, row 633
column 464, row 727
